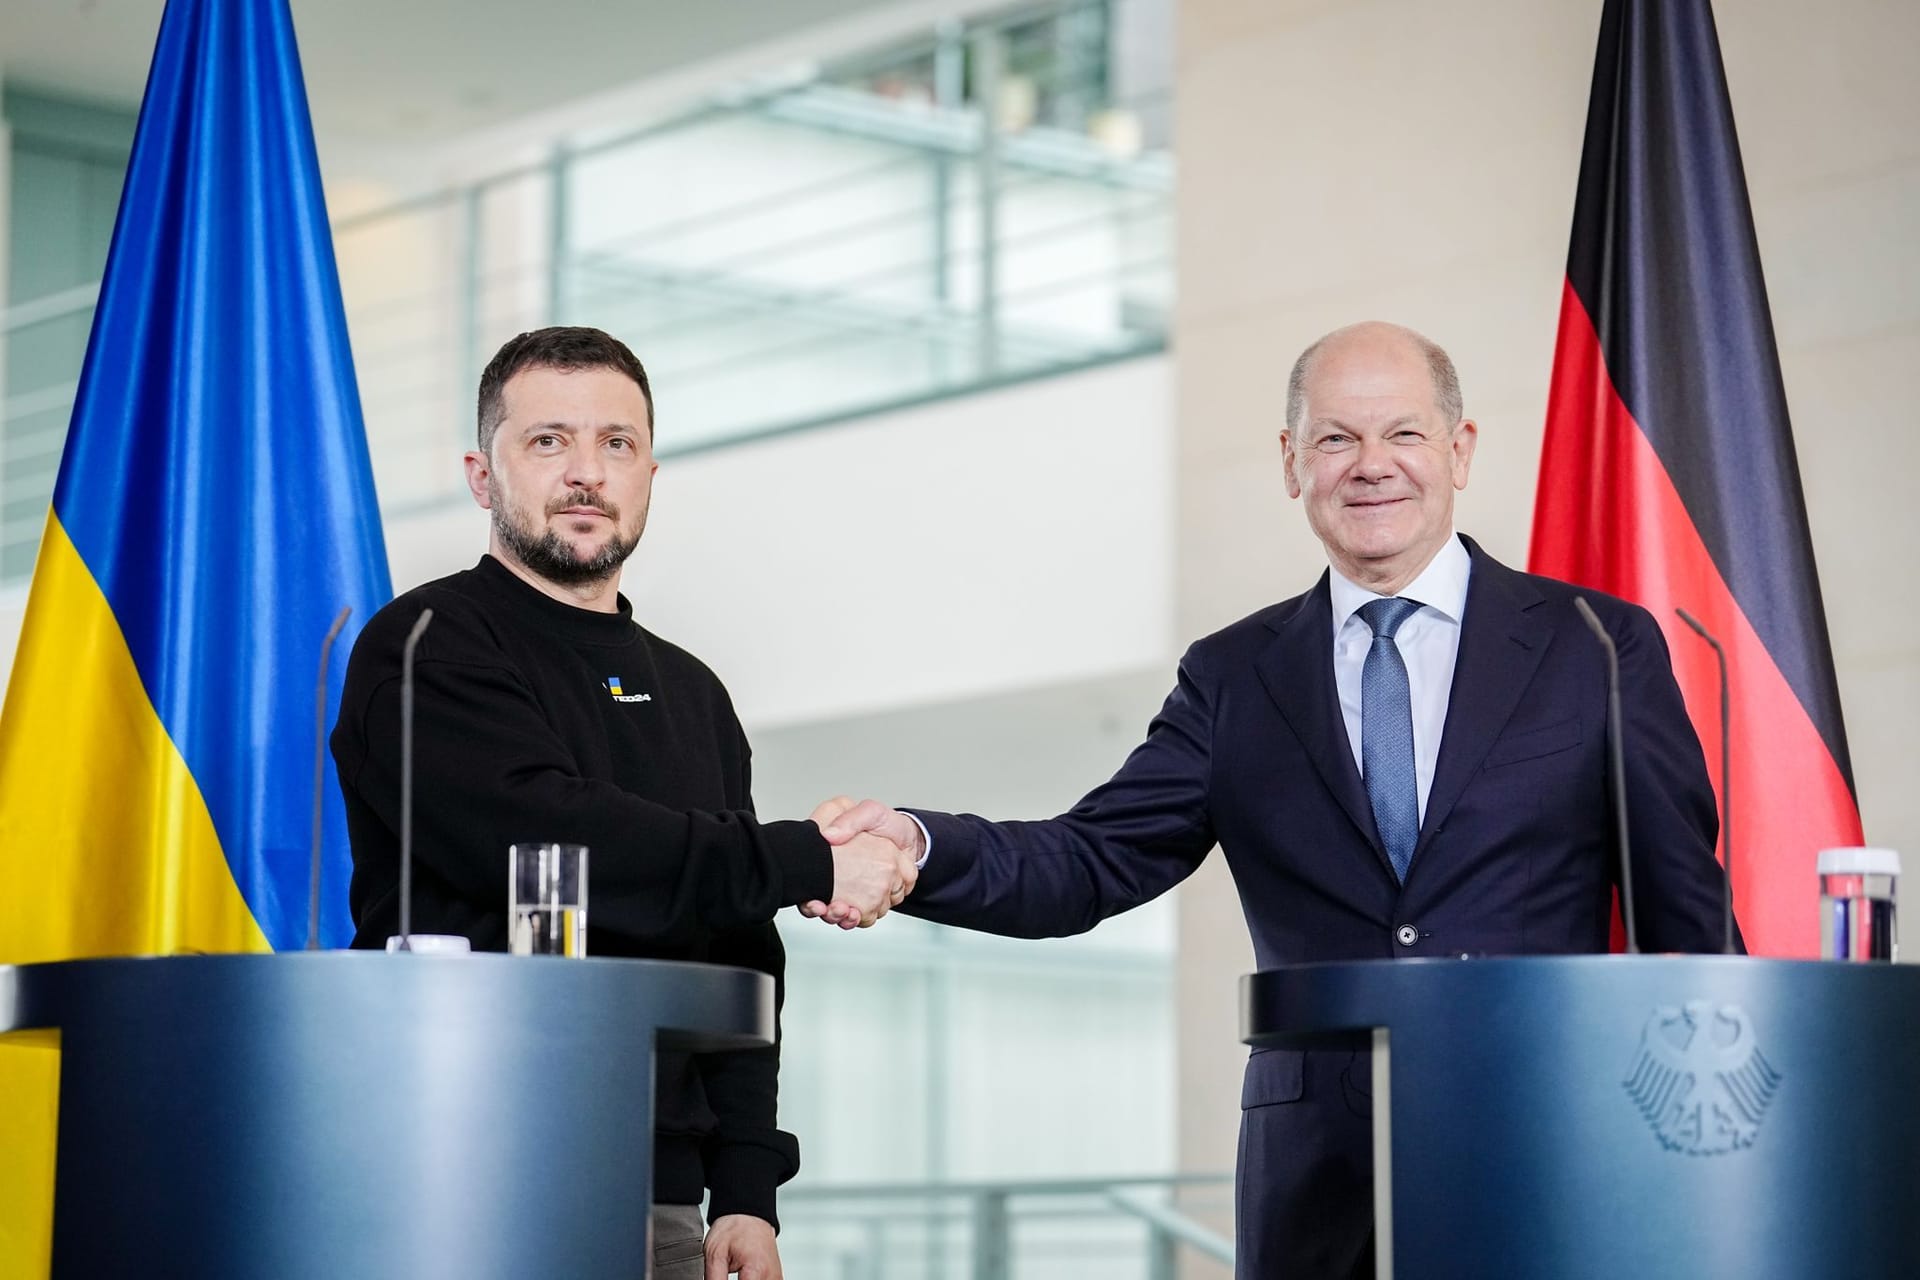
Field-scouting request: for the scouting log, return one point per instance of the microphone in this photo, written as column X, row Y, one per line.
column 1618, row 763
column 406, row 779
column 319, row 774
column 1726, row 763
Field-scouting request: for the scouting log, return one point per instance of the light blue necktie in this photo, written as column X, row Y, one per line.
column 1386, row 733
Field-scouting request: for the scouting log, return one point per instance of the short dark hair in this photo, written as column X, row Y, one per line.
column 567, row 347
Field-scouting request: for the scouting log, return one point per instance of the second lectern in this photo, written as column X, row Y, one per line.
column 1627, row 1116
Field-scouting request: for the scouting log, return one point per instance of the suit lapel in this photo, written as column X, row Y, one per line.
column 1297, row 670
column 1500, row 649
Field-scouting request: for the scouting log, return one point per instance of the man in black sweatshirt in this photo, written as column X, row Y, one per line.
column 543, row 711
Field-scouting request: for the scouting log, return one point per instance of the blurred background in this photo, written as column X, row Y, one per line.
column 968, row 326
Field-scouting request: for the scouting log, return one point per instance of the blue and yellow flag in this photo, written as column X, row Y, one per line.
column 214, row 511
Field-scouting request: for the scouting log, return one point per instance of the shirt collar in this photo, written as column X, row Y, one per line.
column 1441, row 586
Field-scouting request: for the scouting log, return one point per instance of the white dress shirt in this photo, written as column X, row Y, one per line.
column 1429, row 641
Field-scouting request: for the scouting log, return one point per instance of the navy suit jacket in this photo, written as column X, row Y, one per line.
column 1250, row 752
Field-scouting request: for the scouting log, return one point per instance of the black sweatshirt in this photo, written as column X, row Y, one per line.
column 519, row 735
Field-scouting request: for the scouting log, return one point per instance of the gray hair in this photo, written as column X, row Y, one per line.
column 1446, row 380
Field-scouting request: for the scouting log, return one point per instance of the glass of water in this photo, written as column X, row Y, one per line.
column 1857, row 891
column 547, row 899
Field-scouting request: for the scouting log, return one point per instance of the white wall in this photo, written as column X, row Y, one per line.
column 1014, row 538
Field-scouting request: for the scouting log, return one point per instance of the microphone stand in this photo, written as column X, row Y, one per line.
column 319, row 773
column 406, row 779
column 1726, row 764
column 1619, row 766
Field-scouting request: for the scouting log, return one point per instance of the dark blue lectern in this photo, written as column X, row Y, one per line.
column 1627, row 1116
column 350, row 1114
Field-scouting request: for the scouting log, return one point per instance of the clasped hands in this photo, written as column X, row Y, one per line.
column 876, row 859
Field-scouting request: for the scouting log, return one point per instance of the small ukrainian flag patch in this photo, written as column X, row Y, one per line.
column 621, row 695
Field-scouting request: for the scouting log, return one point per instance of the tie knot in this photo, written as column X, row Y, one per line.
column 1385, row 616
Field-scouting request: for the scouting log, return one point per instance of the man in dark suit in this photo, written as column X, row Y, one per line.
column 1407, row 760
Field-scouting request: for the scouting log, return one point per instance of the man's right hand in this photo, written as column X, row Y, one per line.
column 876, row 860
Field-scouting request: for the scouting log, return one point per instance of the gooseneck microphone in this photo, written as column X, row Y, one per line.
column 319, row 773
column 1726, row 763
column 406, row 779
column 1618, row 763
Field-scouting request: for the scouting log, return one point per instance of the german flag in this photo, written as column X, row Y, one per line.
column 1669, row 475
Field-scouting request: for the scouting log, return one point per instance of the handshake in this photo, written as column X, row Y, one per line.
column 876, row 859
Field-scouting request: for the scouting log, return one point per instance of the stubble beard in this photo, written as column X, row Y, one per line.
column 547, row 555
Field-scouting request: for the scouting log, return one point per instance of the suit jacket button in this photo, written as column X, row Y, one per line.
column 1406, row 935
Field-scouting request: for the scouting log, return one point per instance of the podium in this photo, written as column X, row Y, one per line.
column 1612, row 1116
column 330, row 1114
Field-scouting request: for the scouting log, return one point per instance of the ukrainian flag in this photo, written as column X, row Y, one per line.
column 214, row 511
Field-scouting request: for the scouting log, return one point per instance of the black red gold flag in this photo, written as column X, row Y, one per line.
column 1669, row 476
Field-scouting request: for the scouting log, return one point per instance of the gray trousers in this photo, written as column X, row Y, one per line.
column 679, row 1243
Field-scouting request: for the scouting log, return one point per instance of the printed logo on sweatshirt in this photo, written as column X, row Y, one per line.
column 620, row 695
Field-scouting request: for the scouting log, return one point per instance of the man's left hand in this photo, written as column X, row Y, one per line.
column 741, row 1243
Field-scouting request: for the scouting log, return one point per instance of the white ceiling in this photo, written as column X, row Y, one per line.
column 418, row 70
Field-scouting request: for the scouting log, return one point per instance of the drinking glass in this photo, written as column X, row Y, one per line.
column 547, row 899
column 1857, row 893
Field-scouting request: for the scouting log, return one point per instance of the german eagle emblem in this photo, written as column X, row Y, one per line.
column 1700, row 1079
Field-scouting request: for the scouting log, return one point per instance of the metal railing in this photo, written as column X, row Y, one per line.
column 1130, row 1228
column 988, row 203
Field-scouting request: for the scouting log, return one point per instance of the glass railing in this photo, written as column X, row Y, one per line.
column 986, row 203
column 1044, row 1229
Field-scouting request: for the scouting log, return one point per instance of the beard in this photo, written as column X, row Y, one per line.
column 547, row 554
